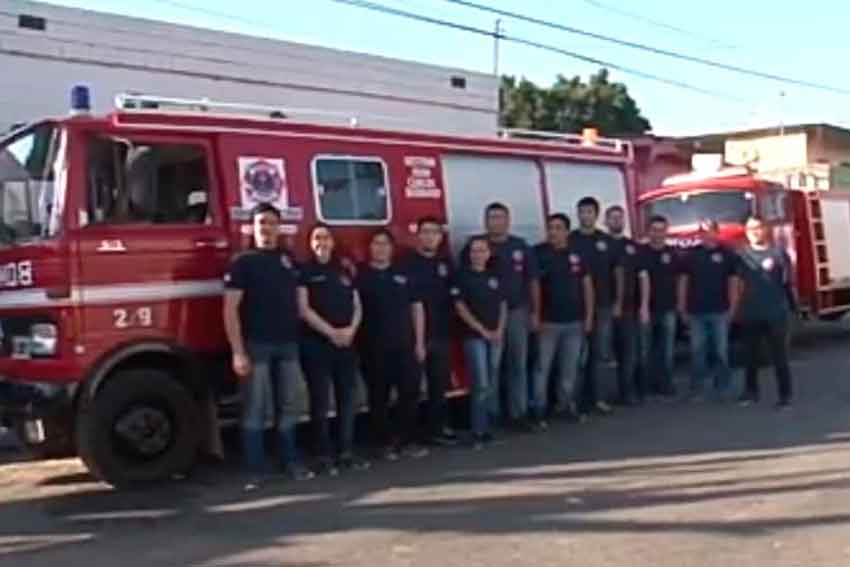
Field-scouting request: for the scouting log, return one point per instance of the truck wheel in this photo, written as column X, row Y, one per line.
column 142, row 426
column 58, row 440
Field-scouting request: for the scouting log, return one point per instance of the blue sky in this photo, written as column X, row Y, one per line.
column 803, row 40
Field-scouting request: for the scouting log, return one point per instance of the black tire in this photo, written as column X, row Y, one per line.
column 156, row 411
column 58, row 439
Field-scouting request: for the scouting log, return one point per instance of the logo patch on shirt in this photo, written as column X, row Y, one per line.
column 601, row 245
column 665, row 258
column 400, row 280
column 768, row 264
column 574, row 259
column 630, row 250
column 493, row 283
column 285, row 261
column 717, row 257
column 454, row 292
column 518, row 256
column 345, row 280
column 442, row 270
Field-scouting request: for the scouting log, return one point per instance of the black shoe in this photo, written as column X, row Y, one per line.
column 414, row 451
column 746, row 400
column 325, row 466
column 783, row 405
column 602, row 408
column 351, row 462
column 298, row 472
column 446, row 438
column 479, row 441
column 539, row 426
column 388, row 453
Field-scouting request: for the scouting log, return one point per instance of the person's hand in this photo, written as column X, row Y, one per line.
column 617, row 311
column 588, row 326
column 241, row 365
column 338, row 338
column 347, row 335
column 535, row 322
column 644, row 316
column 495, row 337
column 421, row 352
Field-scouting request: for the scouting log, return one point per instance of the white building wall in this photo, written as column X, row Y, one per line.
column 114, row 54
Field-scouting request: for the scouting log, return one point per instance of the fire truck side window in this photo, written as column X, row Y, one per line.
column 351, row 190
column 775, row 205
column 147, row 183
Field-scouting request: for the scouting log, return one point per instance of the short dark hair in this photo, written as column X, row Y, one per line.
column 478, row 238
column 615, row 209
column 263, row 208
column 656, row 219
column 588, row 202
column 497, row 206
column 315, row 227
column 428, row 220
column 382, row 232
column 559, row 217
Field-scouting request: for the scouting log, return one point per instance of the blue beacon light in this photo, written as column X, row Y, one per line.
column 80, row 100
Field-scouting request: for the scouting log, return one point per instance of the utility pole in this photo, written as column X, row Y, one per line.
column 497, row 36
column 781, row 112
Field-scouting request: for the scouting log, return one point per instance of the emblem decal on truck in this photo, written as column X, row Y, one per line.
column 263, row 180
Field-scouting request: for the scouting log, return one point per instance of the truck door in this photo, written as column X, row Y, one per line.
column 567, row 182
column 153, row 247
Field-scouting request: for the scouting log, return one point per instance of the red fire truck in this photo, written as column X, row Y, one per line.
column 116, row 231
column 812, row 224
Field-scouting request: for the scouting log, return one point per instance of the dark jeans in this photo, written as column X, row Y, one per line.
column 755, row 334
column 438, row 372
column 598, row 351
column 324, row 365
column 710, row 352
column 385, row 369
column 626, row 352
column 658, row 340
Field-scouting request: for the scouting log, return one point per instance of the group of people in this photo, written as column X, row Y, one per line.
column 538, row 325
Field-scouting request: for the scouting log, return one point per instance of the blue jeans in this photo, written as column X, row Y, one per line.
column 515, row 377
column 628, row 355
column 482, row 361
column 597, row 352
column 660, row 339
column 564, row 341
column 710, row 344
column 271, row 389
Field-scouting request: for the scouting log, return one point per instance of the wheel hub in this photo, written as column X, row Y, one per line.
column 146, row 430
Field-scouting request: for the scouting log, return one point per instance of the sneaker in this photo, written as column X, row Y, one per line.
column 478, row 441
column 746, row 400
column 696, row 398
column 783, row 405
column 446, row 438
column 298, row 472
column 388, row 453
column 351, row 462
column 414, row 451
column 603, row 408
column 539, row 426
column 326, row 467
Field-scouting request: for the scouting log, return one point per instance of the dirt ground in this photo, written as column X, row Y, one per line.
column 678, row 485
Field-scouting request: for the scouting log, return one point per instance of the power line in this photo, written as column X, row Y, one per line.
column 659, row 24
column 649, row 48
column 529, row 43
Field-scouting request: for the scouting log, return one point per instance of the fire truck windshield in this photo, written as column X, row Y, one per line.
column 692, row 207
column 29, row 165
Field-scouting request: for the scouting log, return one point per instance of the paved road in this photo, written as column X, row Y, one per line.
column 667, row 485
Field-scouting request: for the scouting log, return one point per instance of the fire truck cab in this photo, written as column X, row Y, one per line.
column 812, row 224
column 115, row 233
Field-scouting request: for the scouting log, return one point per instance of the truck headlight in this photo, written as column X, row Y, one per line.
column 43, row 339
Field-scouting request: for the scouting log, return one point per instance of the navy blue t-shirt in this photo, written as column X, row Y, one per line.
column 482, row 294
column 515, row 265
column 766, row 275
column 331, row 293
column 708, row 271
column 561, row 283
column 597, row 251
column 387, row 296
column 432, row 279
column 268, row 311
column 664, row 270
column 630, row 256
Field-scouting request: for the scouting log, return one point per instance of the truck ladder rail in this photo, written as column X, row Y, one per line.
column 614, row 145
column 141, row 102
column 817, row 236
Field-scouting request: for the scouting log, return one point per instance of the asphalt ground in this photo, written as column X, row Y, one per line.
column 678, row 485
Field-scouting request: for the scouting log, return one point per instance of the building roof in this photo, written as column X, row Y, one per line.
column 714, row 141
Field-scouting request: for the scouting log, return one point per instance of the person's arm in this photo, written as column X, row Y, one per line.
column 418, row 314
column 645, row 291
column 682, row 295
column 313, row 319
column 619, row 290
column 589, row 302
column 356, row 318
column 469, row 319
column 233, row 328
column 533, row 275
column 499, row 334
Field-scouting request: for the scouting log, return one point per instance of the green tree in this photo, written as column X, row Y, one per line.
column 570, row 105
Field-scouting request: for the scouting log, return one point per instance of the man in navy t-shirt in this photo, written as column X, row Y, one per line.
column 516, row 267
column 707, row 294
column 261, row 321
